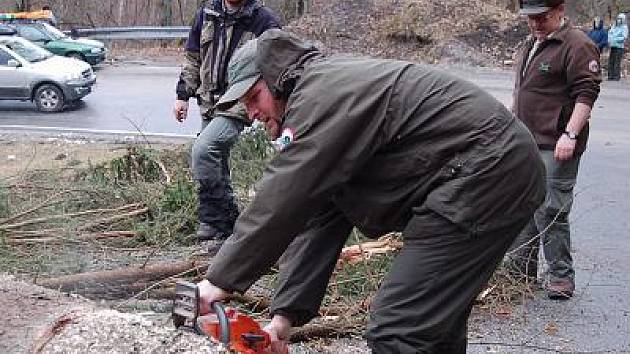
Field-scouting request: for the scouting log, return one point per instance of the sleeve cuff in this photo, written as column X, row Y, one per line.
column 589, row 101
column 291, row 317
column 219, row 283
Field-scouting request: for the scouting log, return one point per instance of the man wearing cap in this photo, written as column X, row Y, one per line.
column 383, row 146
column 557, row 82
column 220, row 27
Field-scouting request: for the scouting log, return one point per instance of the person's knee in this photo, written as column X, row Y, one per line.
column 198, row 151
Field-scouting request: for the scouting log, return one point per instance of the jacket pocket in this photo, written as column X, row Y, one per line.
column 207, row 35
column 560, row 195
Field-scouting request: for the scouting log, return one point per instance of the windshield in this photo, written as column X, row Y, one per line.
column 54, row 32
column 27, row 50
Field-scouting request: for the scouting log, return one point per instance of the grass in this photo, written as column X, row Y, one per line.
column 47, row 214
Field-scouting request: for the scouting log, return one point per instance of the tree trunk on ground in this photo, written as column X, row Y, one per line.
column 119, row 283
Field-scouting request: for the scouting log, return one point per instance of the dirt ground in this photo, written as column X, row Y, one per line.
column 20, row 153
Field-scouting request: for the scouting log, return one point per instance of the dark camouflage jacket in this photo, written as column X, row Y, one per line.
column 212, row 40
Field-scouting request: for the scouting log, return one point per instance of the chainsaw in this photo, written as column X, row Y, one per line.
column 236, row 331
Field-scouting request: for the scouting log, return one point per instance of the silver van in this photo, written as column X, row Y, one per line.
column 28, row 72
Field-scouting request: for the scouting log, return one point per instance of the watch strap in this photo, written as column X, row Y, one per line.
column 571, row 135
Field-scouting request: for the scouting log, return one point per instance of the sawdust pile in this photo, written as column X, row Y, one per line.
column 109, row 331
column 474, row 32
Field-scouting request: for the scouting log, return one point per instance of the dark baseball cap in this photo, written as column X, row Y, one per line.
column 535, row 7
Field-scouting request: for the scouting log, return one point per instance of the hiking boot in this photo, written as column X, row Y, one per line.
column 207, row 232
column 561, row 289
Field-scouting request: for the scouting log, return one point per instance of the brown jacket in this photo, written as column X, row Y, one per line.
column 564, row 70
column 370, row 140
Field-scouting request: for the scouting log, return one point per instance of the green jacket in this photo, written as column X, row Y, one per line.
column 377, row 138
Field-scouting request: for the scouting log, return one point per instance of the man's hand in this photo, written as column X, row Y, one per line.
column 208, row 294
column 279, row 329
column 180, row 110
column 564, row 148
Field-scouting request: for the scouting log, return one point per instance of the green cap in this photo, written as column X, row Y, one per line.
column 242, row 72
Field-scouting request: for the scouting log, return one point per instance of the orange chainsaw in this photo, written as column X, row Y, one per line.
column 237, row 331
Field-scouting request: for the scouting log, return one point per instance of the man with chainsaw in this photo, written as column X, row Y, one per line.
column 220, row 27
column 383, row 146
column 557, row 82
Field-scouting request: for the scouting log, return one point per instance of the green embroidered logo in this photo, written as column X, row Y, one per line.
column 544, row 67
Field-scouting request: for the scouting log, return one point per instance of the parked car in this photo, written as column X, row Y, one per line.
column 28, row 72
column 6, row 30
column 57, row 42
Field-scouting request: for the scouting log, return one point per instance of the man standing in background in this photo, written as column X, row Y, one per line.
column 53, row 19
column 557, row 82
column 220, row 27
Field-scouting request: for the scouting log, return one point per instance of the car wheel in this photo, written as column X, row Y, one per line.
column 49, row 98
column 76, row 56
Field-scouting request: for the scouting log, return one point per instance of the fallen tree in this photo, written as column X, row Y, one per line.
column 120, row 283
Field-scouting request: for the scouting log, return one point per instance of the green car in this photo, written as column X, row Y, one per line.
column 55, row 41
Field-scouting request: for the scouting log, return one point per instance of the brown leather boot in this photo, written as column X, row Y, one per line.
column 561, row 289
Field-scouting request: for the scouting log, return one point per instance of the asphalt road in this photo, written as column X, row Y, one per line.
column 133, row 98
column 597, row 319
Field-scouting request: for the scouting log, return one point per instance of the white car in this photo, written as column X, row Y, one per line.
column 28, row 72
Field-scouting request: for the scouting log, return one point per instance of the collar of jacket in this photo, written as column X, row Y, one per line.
column 247, row 10
column 558, row 35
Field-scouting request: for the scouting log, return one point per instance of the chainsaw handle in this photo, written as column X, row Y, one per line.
column 224, row 322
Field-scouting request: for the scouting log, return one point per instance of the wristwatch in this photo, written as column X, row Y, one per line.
column 570, row 134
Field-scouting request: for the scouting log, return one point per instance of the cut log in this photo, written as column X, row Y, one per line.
column 120, row 283
column 355, row 253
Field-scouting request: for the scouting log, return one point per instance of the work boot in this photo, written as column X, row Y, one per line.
column 561, row 289
column 207, row 232
column 204, row 232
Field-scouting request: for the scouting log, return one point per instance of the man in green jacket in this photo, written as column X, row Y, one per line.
column 383, row 146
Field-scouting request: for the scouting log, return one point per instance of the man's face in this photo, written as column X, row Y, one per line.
column 261, row 105
column 544, row 24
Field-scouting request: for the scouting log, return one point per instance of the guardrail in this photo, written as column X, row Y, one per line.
column 140, row 33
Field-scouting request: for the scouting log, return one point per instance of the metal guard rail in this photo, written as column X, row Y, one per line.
column 140, row 33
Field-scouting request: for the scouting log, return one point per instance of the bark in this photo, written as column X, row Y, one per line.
column 119, row 283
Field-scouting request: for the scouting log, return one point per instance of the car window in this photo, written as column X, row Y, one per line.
column 4, row 57
column 53, row 31
column 32, row 33
column 27, row 50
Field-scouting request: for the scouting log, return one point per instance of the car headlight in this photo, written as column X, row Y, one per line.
column 95, row 50
column 72, row 77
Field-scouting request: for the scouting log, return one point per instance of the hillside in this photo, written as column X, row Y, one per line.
column 472, row 32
